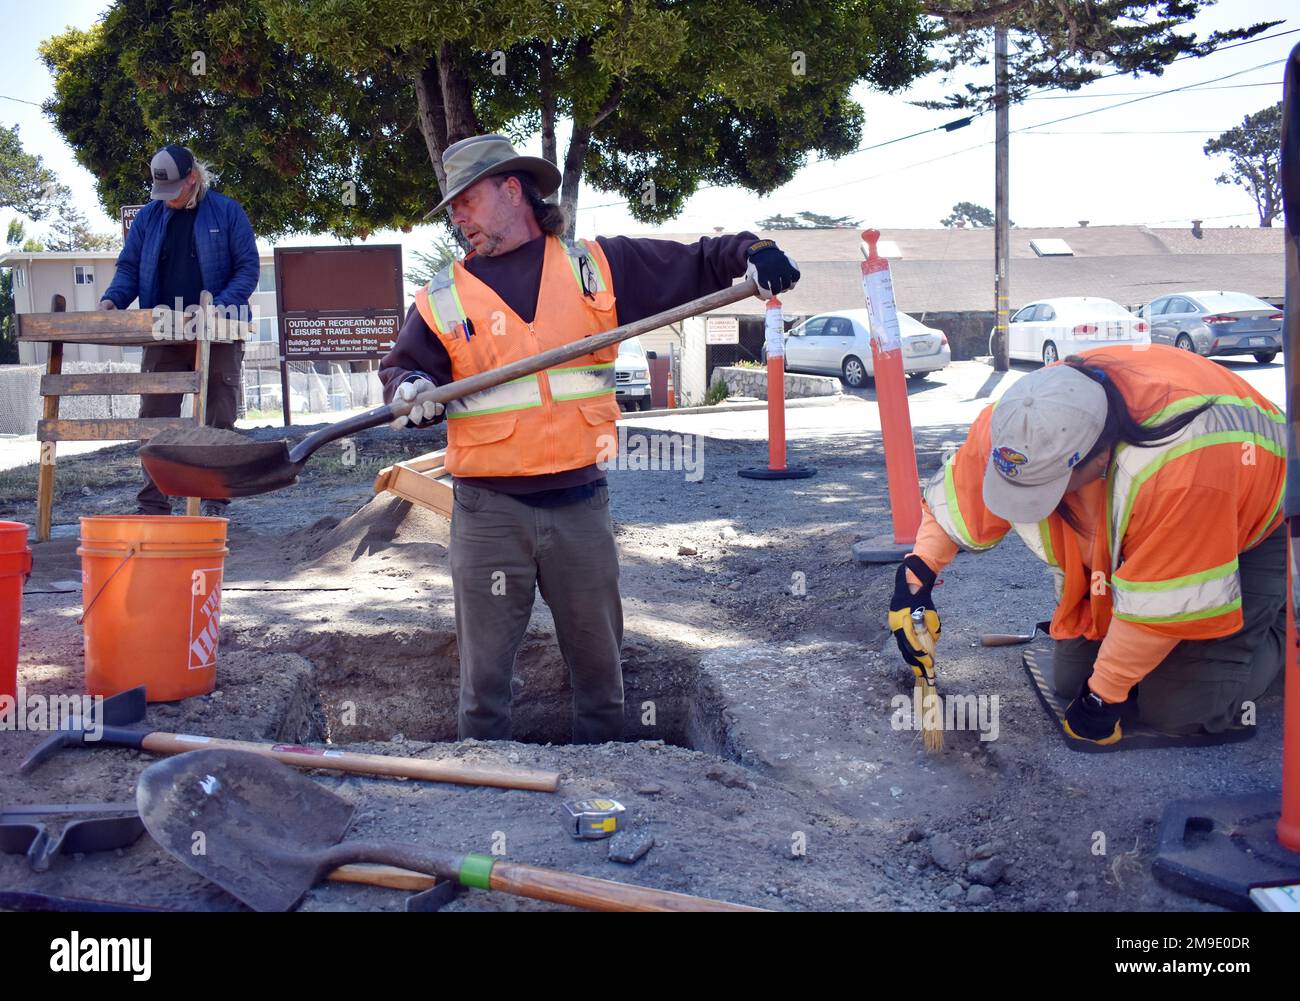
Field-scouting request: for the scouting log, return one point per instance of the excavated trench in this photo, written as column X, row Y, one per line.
column 378, row 686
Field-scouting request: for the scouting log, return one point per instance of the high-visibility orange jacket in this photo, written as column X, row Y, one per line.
column 1159, row 555
column 561, row 418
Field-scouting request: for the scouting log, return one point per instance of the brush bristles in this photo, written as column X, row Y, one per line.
column 927, row 698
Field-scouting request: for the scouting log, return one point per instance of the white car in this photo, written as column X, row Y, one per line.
column 840, row 344
column 632, row 375
column 1052, row 329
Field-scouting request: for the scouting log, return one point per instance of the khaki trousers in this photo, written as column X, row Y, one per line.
column 502, row 552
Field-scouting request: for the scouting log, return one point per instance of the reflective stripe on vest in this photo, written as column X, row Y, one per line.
column 1038, row 537
column 581, row 383
column 1197, row 596
column 941, row 497
column 449, row 312
column 517, row 394
column 1211, row 592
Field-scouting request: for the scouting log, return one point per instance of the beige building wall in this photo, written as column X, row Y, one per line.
column 40, row 277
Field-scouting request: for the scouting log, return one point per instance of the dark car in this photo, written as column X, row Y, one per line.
column 1217, row 323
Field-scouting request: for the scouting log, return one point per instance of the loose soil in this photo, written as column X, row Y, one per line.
column 760, row 680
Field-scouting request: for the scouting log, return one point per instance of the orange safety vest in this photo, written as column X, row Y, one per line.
column 1171, row 518
column 561, row 418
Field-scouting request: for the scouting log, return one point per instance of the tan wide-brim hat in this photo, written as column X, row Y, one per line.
column 470, row 160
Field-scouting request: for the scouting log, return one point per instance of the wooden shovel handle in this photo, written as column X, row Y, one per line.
column 1004, row 639
column 524, row 366
column 597, row 894
column 361, row 764
column 486, row 872
column 372, row 874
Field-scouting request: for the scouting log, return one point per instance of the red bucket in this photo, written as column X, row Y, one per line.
column 15, row 567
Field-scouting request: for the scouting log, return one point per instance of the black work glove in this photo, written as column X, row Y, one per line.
column 770, row 268
column 901, row 623
column 1089, row 718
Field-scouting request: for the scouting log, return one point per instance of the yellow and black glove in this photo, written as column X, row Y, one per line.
column 901, row 622
column 1089, row 718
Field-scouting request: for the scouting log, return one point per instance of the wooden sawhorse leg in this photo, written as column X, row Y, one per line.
column 45, row 475
column 202, row 356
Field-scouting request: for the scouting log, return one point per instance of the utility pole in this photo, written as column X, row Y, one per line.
column 1001, row 201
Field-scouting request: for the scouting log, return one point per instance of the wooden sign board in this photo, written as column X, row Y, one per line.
column 338, row 303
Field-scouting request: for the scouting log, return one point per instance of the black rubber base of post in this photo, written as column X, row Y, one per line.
column 788, row 473
column 1217, row 849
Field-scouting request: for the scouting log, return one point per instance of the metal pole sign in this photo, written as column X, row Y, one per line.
column 336, row 304
column 129, row 212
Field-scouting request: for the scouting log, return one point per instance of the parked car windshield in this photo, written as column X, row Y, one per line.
column 631, row 349
column 1222, row 302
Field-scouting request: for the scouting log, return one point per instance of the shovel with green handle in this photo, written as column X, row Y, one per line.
column 269, row 834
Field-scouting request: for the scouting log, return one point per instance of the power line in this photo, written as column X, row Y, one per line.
column 34, row 104
column 1178, row 59
column 1130, row 93
column 1134, row 132
column 1147, row 97
column 959, row 123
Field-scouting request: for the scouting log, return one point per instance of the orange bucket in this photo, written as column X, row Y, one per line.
column 15, row 565
column 151, row 603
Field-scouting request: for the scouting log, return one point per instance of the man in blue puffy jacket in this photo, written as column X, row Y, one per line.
column 186, row 242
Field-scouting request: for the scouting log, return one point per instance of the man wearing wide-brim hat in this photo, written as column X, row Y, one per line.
column 532, row 505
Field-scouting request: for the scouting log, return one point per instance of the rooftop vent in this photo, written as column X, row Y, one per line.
column 1051, row 248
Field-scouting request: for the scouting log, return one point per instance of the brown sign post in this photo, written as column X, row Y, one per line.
column 336, row 304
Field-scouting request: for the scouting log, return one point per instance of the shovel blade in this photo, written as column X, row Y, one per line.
column 262, row 823
column 217, row 464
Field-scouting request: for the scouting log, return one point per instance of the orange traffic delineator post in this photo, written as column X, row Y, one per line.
column 1237, row 851
column 895, row 417
column 776, row 468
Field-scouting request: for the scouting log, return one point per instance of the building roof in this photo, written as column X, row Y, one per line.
column 951, row 270
column 17, row 257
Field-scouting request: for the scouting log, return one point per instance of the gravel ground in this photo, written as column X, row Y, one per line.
column 762, row 752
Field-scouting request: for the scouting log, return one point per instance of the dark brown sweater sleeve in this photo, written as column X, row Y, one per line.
column 653, row 275
column 416, row 352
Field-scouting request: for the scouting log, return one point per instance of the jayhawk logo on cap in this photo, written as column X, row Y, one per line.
column 1009, row 461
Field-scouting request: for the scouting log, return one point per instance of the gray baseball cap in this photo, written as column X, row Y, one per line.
column 169, row 168
column 470, row 160
column 1041, row 429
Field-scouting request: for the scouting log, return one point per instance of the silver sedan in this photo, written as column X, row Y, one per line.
column 1216, row 323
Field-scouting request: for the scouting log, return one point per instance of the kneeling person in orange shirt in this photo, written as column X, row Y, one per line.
column 1150, row 481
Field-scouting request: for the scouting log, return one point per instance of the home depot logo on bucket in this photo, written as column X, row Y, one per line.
column 205, row 618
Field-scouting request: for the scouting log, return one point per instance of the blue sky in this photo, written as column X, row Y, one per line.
column 1139, row 164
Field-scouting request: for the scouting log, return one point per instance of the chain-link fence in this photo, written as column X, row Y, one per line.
column 21, row 401
column 314, row 387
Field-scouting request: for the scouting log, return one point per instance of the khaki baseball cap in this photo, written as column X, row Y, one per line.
column 1041, row 429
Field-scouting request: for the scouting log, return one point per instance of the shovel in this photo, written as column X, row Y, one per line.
column 210, row 462
column 129, row 707
column 269, row 834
